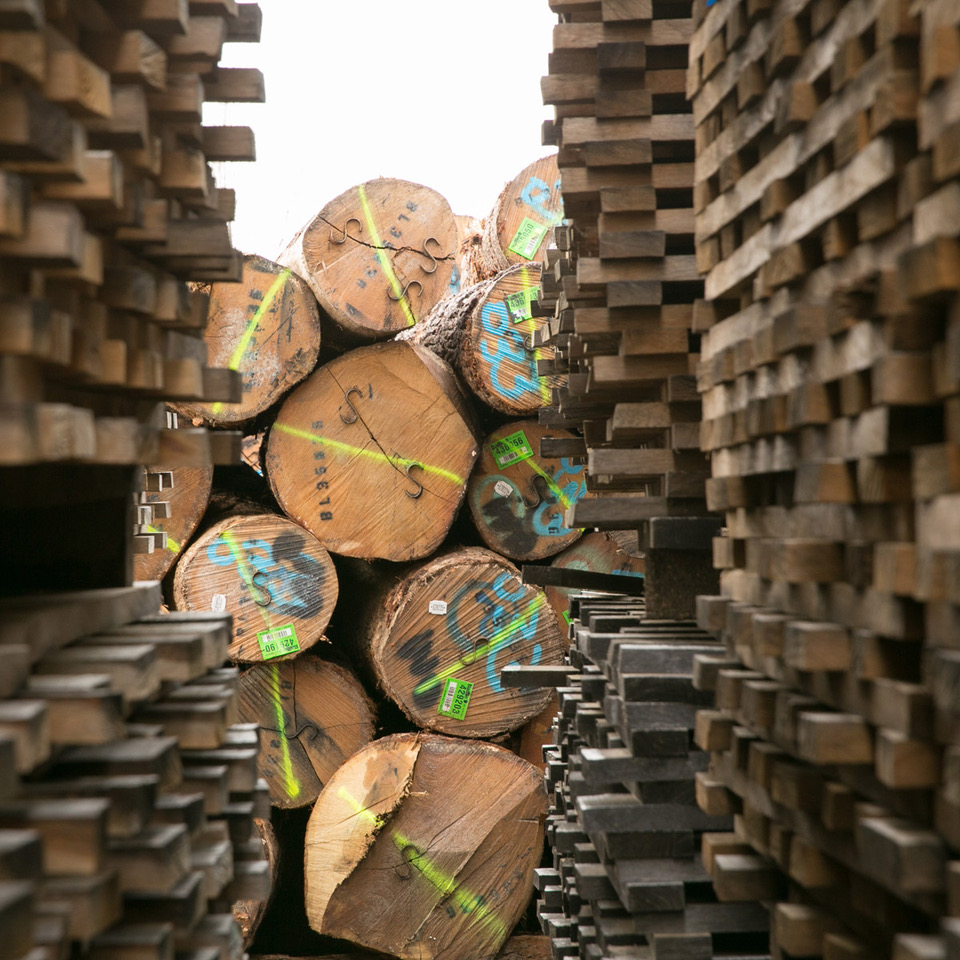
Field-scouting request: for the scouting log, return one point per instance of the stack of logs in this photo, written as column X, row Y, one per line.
column 826, row 194
column 629, row 283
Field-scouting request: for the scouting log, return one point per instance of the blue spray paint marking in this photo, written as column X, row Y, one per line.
column 546, row 203
column 289, row 590
column 508, row 346
column 455, row 280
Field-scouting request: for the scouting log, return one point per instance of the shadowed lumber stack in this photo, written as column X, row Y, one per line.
column 378, row 257
column 274, row 578
column 312, row 715
column 518, row 497
column 133, row 772
column 487, row 333
column 436, row 637
column 371, row 453
column 624, row 827
column 266, row 327
column 628, row 282
column 408, row 850
column 519, row 228
column 824, row 177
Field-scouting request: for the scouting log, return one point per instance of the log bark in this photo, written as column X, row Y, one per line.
column 518, row 499
column 371, row 453
column 409, row 851
column 485, row 333
column 275, row 579
column 378, row 257
column 312, row 716
column 186, row 503
column 437, row 639
column 267, row 327
column 597, row 552
column 527, row 210
column 250, row 913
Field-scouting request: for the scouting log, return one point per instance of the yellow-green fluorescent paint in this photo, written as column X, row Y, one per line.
column 290, row 783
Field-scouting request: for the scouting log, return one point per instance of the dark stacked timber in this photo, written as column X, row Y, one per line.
column 826, row 190
column 630, row 846
column 131, row 813
column 628, row 282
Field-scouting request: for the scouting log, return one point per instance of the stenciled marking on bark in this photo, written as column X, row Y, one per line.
column 416, row 651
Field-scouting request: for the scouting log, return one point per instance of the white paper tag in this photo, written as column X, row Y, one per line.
column 503, row 488
column 219, row 603
column 438, row 606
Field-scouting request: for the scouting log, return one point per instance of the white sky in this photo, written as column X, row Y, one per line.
column 443, row 93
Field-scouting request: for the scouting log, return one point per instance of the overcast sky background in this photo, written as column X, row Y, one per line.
column 443, row 93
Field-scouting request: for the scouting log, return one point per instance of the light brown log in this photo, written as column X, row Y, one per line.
column 486, row 334
column 268, row 573
column 444, row 631
column 409, row 851
column 371, row 453
column 537, row 733
column 267, row 327
column 312, row 716
column 378, row 257
column 533, row 195
column 518, row 507
column 596, row 552
column 186, row 502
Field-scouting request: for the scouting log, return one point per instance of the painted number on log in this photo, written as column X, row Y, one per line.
column 505, row 343
column 319, row 472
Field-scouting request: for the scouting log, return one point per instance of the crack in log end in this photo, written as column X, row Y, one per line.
column 387, row 246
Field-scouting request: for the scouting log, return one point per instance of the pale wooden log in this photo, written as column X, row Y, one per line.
column 518, row 507
column 371, row 453
column 267, row 327
column 312, row 716
column 378, row 257
column 409, row 851
column 438, row 638
column 596, row 552
column 268, row 573
column 486, row 333
column 533, row 195
column 186, row 501
column 537, row 733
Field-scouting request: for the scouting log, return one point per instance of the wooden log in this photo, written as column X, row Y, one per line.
column 249, row 911
column 409, row 852
column 371, row 453
column 436, row 642
column 270, row 574
column 486, row 333
column 267, row 327
column 520, row 226
column 518, row 499
column 186, row 500
column 312, row 716
column 378, row 257
column 596, row 552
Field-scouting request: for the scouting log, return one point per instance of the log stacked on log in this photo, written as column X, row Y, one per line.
column 826, row 177
column 108, row 209
column 628, row 281
column 130, row 807
column 378, row 257
column 626, row 833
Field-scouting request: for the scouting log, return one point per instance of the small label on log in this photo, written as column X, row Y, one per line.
column 511, row 449
column 218, row 603
column 277, row 642
column 520, row 304
column 526, row 241
column 438, row 606
column 502, row 488
column 455, row 699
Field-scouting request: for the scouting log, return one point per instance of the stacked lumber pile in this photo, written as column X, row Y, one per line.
column 131, row 814
column 626, row 833
column 627, row 278
column 109, row 209
column 826, row 184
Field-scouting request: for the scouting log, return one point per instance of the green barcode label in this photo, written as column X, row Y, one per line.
column 526, row 241
column 278, row 641
column 511, row 449
column 455, row 699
